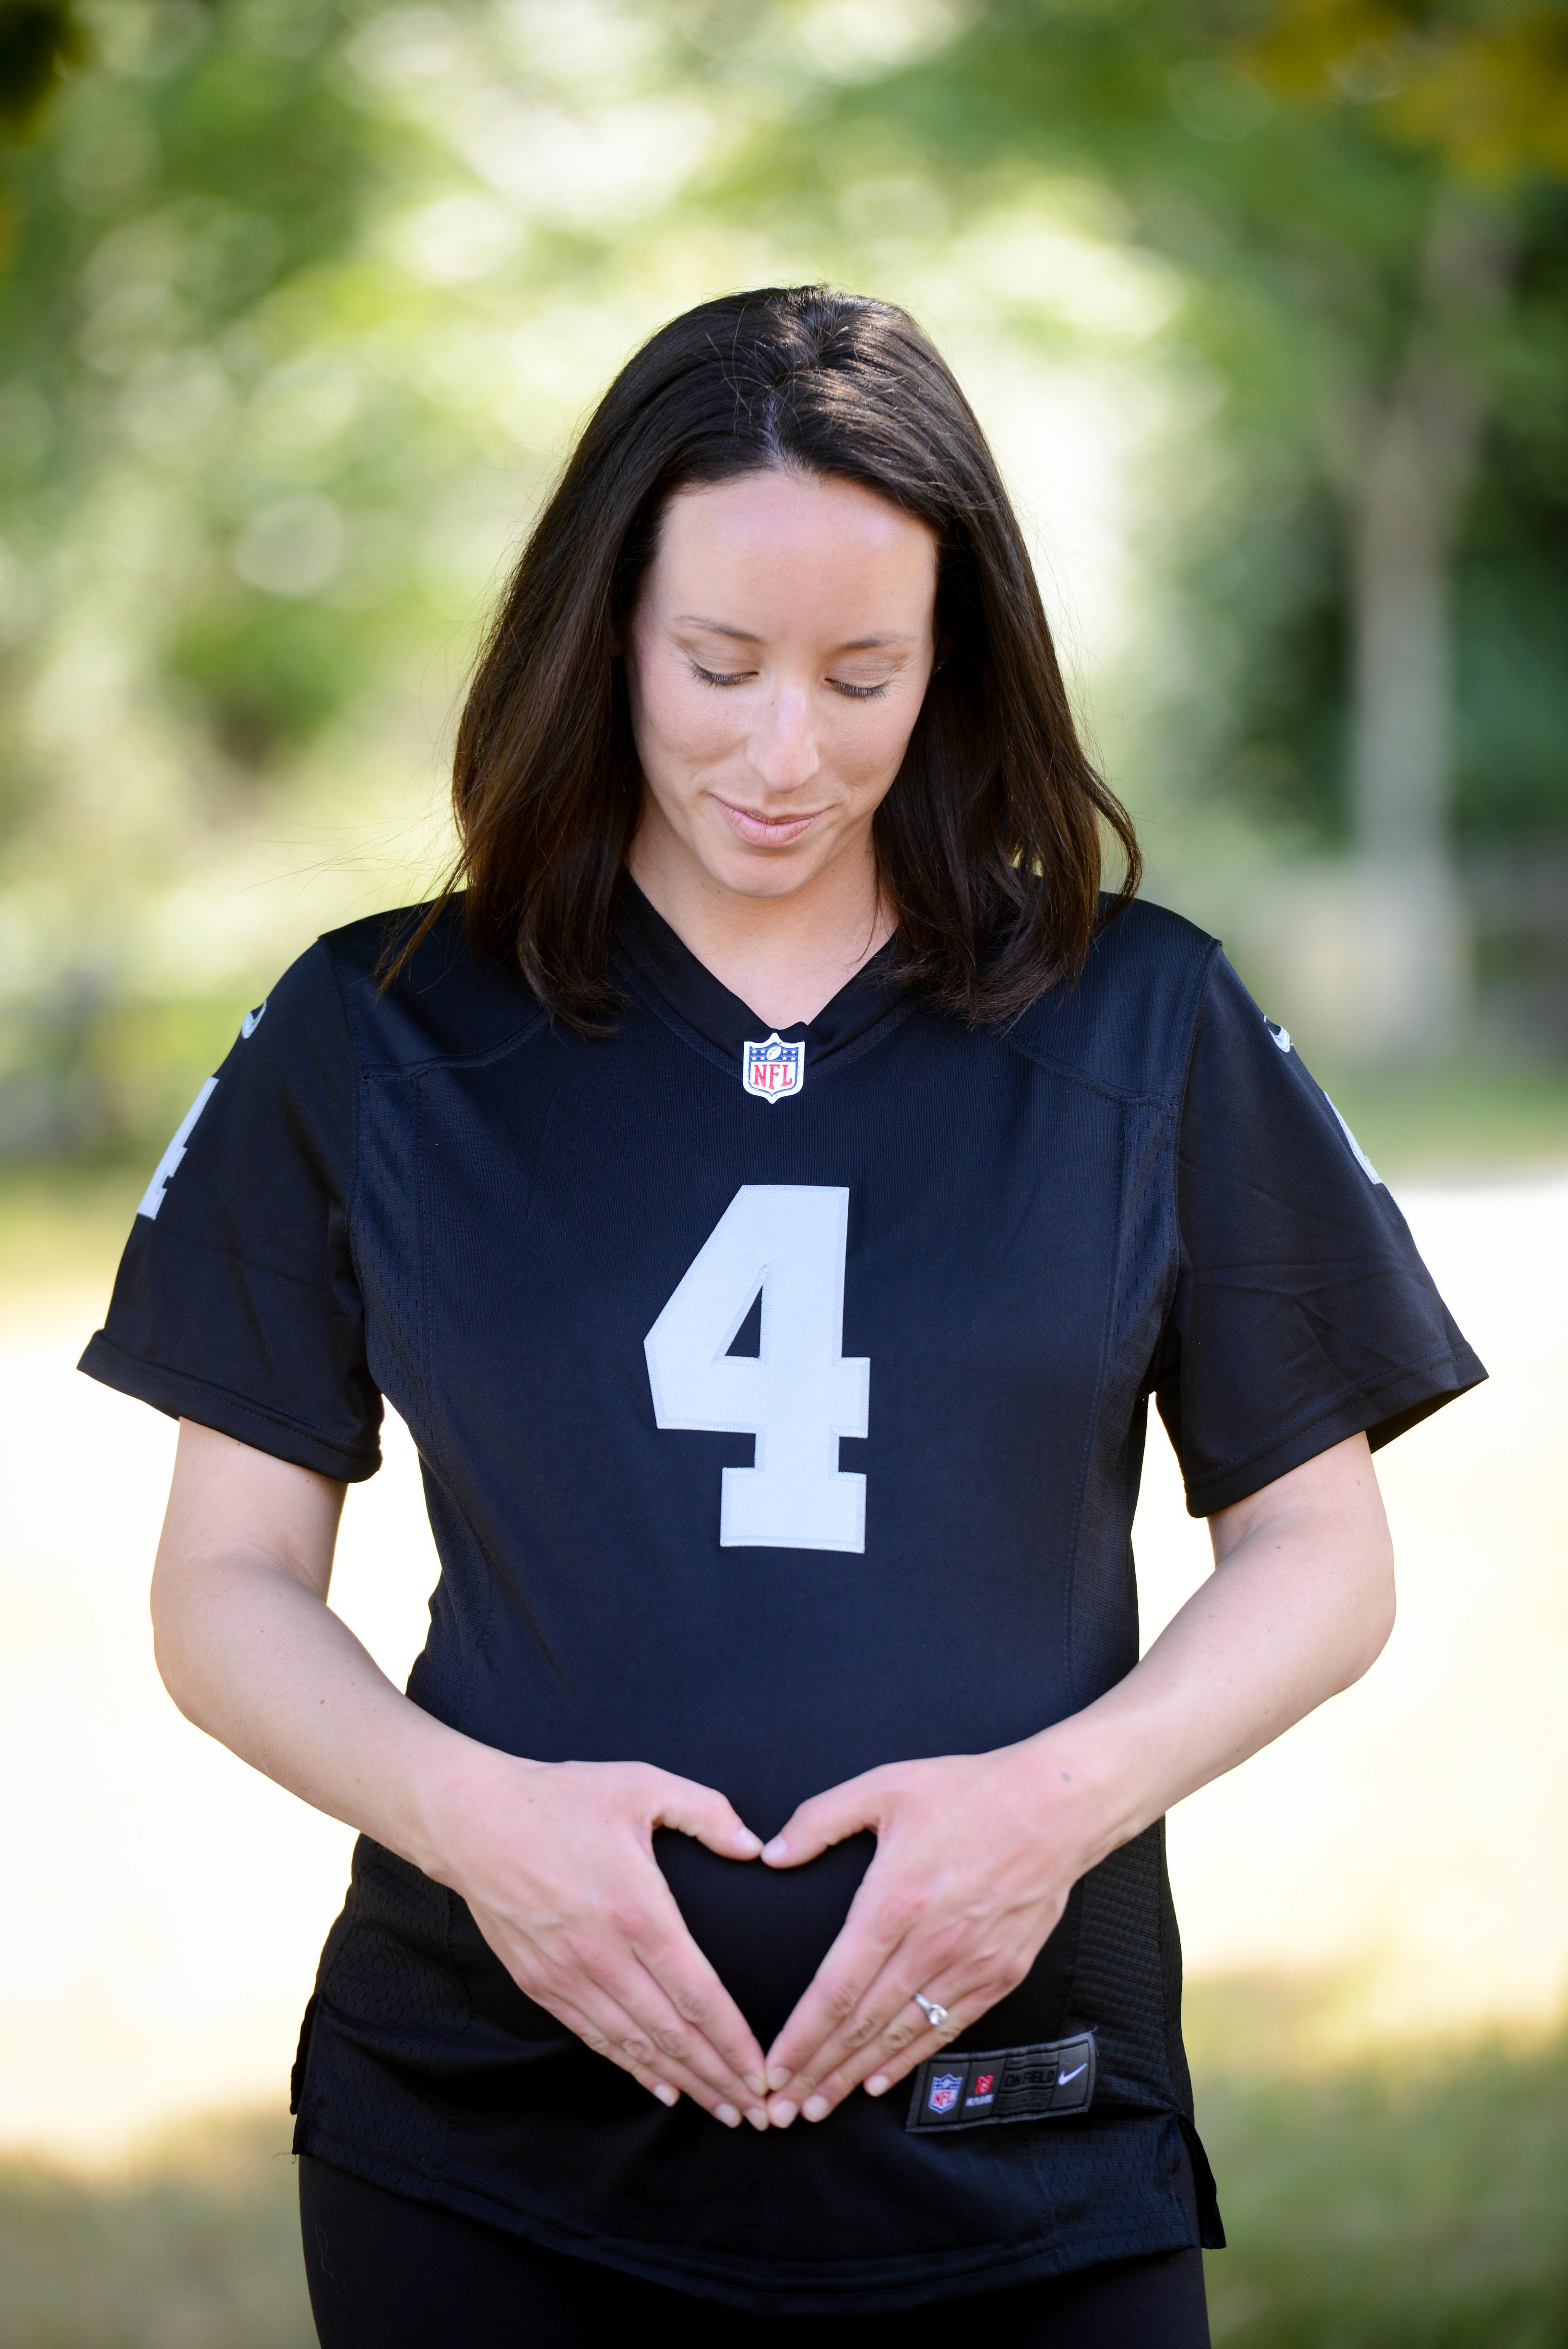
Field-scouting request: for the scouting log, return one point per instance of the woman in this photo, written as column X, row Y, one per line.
column 769, row 1194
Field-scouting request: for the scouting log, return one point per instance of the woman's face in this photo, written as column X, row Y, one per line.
column 776, row 661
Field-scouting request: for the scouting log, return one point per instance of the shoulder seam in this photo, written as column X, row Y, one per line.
column 351, row 1196
column 1069, row 1069
column 1043, row 1058
column 1192, row 1014
column 530, row 1028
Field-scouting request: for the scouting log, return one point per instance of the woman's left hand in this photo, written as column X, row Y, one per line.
column 976, row 1855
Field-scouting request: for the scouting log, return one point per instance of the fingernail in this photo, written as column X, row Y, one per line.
column 778, row 2077
column 782, row 2113
column 747, row 1842
column 666, row 2096
column 758, row 2117
column 728, row 2115
column 879, row 2085
column 816, row 2108
column 776, row 1849
column 755, row 2082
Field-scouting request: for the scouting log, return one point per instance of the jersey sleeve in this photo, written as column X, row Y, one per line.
column 1303, row 1313
column 236, row 1303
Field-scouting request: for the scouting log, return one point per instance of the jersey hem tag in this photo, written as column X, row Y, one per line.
column 1010, row 2083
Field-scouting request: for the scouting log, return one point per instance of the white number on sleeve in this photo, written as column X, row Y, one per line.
column 799, row 1394
column 153, row 1198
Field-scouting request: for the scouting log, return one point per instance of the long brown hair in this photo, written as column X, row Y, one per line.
column 989, row 843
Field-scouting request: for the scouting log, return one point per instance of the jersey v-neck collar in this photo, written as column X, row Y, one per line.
column 684, row 993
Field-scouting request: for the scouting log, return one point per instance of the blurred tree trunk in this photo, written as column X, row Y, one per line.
column 1407, row 461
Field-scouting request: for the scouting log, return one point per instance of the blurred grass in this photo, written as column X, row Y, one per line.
column 1419, row 2201
column 195, row 2246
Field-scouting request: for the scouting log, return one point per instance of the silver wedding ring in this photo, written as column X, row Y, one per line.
column 935, row 2015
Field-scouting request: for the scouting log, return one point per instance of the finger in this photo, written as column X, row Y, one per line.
column 879, row 2067
column 828, row 1819
column 663, row 1945
column 882, row 2030
column 890, row 2018
column 880, row 2075
column 702, row 1813
column 612, row 2030
column 897, row 2048
column 673, row 2038
column 878, row 1923
column 886, row 2020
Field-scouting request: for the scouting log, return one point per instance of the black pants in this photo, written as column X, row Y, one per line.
column 387, row 2272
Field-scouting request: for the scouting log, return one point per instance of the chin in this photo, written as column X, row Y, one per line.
column 764, row 878
column 761, row 873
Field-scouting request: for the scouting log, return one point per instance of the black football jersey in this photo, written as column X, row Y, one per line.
column 781, row 1399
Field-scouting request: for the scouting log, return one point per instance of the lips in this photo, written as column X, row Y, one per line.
column 763, row 831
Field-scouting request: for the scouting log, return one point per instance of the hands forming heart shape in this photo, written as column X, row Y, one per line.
column 976, row 1855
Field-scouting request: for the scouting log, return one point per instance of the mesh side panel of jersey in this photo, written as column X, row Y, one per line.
column 1102, row 1594
column 386, row 1980
column 1121, row 1984
column 1120, row 1987
column 1112, row 2162
column 1171, row 1958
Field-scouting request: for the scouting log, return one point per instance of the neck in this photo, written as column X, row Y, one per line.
column 785, row 957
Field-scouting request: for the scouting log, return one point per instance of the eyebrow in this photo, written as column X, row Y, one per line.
column 745, row 636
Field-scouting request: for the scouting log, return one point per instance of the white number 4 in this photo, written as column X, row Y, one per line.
column 798, row 1394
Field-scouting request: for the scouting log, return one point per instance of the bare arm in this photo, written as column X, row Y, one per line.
column 1300, row 1605
column 977, row 1853
column 556, row 1860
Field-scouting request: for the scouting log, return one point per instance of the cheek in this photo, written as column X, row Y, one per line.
column 872, row 746
column 680, row 722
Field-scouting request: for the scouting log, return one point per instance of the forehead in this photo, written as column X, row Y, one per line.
column 775, row 535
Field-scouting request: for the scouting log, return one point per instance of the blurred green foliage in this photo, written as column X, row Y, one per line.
column 1415, row 2201
column 1366, row 203
column 39, row 41
column 302, row 300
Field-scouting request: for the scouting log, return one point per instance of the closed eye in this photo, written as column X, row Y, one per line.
column 740, row 676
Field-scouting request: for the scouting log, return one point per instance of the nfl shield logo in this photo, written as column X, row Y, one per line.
column 943, row 2093
column 772, row 1069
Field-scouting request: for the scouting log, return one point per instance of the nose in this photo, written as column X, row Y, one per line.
column 783, row 745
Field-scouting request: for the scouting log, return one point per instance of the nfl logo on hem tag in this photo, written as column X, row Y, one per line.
column 947, row 2086
column 772, row 1069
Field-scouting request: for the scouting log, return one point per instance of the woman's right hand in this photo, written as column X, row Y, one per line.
column 555, row 1862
